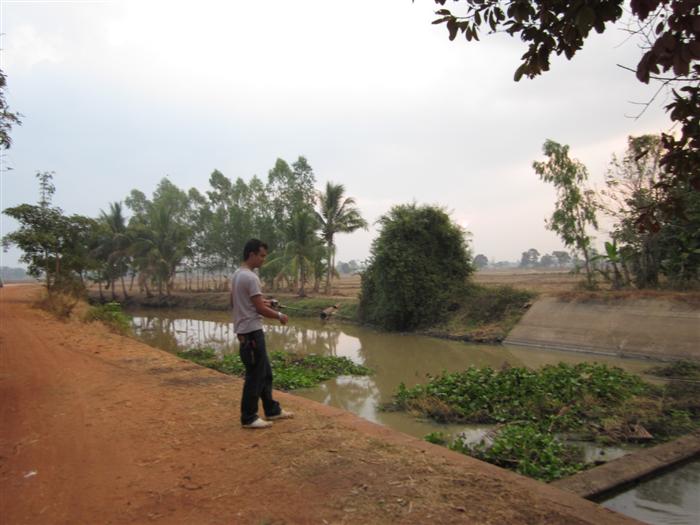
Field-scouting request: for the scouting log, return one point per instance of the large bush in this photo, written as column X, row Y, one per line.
column 418, row 266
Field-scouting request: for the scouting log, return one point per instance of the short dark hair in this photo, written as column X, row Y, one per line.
column 253, row 246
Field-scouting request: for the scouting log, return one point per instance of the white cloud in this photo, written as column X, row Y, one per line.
column 28, row 48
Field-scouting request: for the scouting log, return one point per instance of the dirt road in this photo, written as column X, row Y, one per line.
column 98, row 428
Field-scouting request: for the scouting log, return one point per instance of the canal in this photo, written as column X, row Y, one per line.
column 396, row 358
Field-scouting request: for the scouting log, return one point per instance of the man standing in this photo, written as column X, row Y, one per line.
column 249, row 308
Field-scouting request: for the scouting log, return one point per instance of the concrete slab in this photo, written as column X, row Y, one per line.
column 660, row 329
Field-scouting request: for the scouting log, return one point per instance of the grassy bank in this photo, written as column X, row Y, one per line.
column 112, row 315
column 536, row 411
column 291, row 371
column 484, row 314
column 313, row 306
column 219, row 301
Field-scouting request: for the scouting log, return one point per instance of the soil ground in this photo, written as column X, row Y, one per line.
column 100, row 428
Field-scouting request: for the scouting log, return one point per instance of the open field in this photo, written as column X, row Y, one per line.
column 544, row 282
column 562, row 283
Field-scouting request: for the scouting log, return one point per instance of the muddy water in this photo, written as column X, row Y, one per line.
column 670, row 499
column 393, row 358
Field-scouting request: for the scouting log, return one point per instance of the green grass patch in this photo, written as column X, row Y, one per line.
column 537, row 409
column 291, row 371
column 112, row 315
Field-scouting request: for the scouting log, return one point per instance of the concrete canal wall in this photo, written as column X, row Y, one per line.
column 663, row 329
column 632, row 467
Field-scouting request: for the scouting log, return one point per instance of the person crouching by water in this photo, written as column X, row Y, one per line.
column 249, row 308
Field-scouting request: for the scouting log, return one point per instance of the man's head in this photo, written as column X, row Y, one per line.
column 254, row 253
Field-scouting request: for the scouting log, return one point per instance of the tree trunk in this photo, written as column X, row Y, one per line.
column 302, row 272
column 617, row 277
column 48, row 273
column 124, row 288
column 58, row 268
column 626, row 273
column 589, row 274
column 330, row 268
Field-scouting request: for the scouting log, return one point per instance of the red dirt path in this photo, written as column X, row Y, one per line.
column 99, row 428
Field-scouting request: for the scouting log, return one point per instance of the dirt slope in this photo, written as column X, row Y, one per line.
column 98, row 428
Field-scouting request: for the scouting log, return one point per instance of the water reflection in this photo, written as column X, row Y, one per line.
column 672, row 498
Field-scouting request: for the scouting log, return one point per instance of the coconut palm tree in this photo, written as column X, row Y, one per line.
column 336, row 215
column 161, row 242
column 296, row 260
column 114, row 246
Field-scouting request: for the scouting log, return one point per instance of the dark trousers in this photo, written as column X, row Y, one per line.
column 258, row 377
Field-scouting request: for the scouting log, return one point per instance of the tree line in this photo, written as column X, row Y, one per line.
column 639, row 253
column 198, row 236
column 531, row 258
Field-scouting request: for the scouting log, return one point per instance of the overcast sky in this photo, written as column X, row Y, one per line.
column 117, row 95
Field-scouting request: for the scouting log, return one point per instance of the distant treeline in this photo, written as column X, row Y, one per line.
column 190, row 234
column 14, row 274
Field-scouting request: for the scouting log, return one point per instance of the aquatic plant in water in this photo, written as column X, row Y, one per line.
column 526, row 449
column 291, row 371
column 537, row 408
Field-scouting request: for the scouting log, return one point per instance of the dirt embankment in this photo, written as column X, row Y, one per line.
column 98, row 428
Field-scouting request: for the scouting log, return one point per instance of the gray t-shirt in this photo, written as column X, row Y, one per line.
column 244, row 285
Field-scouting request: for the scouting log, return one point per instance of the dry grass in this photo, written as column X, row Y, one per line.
column 560, row 283
column 539, row 281
column 62, row 305
column 542, row 282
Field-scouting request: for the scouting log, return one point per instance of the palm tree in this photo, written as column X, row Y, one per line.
column 114, row 246
column 336, row 215
column 161, row 242
column 302, row 245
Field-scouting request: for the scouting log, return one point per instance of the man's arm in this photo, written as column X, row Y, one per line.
column 266, row 311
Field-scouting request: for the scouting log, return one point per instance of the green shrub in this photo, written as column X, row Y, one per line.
column 112, row 315
column 417, row 269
